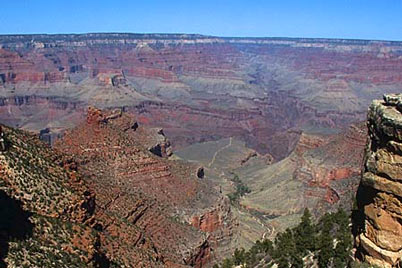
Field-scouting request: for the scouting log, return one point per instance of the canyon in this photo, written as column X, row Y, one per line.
column 256, row 89
column 322, row 174
column 156, row 131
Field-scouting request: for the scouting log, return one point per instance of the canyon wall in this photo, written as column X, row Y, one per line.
column 379, row 198
column 198, row 88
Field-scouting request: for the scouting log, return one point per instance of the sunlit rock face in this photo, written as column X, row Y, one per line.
column 197, row 88
column 379, row 197
column 145, row 201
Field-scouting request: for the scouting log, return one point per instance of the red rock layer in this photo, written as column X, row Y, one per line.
column 143, row 201
column 330, row 163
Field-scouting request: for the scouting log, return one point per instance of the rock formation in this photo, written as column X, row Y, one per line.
column 145, row 202
column 379, row 221
column 161, row 146
column 200, row 172
column 99, row 198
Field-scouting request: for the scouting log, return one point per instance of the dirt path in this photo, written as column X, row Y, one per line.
column 220, row 150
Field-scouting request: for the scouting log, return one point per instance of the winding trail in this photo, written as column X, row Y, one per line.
column 220, row 150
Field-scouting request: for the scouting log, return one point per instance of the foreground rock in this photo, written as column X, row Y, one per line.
column 379, row 225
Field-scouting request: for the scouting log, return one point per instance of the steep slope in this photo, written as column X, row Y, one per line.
column 146, row 202
column 107, row 198
column 379, row 199
column 196, row 87
column 46, row 210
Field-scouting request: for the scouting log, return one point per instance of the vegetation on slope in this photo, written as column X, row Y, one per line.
column 45, row 209
column 327, row 243
column 241, row 189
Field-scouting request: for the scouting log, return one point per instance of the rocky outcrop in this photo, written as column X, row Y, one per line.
column 142, row 209
column 144, row 201
column 200, row 172
column 212, row 220
column 161, row 146
column 379, row 198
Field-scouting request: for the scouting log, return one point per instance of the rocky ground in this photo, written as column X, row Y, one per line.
column 46, row 209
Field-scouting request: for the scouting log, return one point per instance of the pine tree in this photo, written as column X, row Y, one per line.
column 296, row 261
column 344, row 239
column 239, row 256
column 267, row 246
column 227, row 263
column 325, row 242
column 305, row 234
column 285, row 252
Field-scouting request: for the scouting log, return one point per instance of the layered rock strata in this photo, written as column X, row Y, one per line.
column 197, row 88
column 379, row 228
column 145, row 202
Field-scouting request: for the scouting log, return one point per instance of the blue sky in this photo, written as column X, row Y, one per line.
column 362, row 19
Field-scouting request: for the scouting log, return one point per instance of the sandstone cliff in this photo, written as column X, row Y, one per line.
column 379, row 198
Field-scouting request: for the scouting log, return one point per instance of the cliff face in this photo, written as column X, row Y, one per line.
column 379, row 198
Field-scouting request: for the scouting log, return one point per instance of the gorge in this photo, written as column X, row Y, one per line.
column 173, row 150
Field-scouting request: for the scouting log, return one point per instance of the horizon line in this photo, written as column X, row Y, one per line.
column 191, row 34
